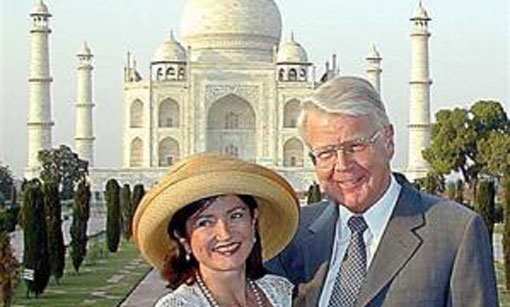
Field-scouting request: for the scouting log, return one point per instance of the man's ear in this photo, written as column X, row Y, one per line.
column 389, row 140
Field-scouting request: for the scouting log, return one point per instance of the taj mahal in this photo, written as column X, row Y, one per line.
column 231, row 85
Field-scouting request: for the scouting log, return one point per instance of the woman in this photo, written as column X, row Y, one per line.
column 209, row 224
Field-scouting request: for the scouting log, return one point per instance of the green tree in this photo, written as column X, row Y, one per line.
column 126, row 209
column 495, row 153
column 113, row 215
column 506, row 232
column 9, row 269
column 459, row 191
column 484, row 203
column 14, row 195
column 63, row 167
column 35, row 254
column 57, row 249
column 450, row 190
column 81, row 214
column 314, row 193
column 458, row 136
column 138, row 193
column 6, row 181
column 432, row 183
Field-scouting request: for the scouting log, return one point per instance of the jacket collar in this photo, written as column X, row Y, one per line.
column 398, row 244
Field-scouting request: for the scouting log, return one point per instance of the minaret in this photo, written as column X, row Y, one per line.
column 374, row 68
column 39, row 80
column 419, row 110
column 84, row 133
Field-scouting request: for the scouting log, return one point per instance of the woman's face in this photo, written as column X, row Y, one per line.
column 221, row 236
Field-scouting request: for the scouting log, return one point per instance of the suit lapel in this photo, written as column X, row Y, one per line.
column 319, row 244
column 398, row 244
column 317, row 248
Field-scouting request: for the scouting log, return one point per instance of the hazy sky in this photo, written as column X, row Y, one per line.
column 470, row 51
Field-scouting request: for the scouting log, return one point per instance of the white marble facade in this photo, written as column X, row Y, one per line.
column 229, row 85
column 233, row 89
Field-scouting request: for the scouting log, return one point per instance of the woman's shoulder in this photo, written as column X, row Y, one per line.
column 184, row 295
column 277, row 289
column 275, row 280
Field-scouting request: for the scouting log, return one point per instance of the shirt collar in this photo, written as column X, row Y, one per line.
column 378, row 215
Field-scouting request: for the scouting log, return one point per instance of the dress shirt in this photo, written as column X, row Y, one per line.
column 377, row 217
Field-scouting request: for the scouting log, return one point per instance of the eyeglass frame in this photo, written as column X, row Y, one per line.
column 365, row 142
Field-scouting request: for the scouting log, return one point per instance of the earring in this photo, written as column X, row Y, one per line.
column 254, row 239
column 187, row 257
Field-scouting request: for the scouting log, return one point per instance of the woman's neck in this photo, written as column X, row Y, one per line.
column 228, row 287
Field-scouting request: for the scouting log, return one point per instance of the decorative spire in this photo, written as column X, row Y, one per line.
column 172, row 38
column 420, row 12
column 40, row 9
column 292, row 36
column 374, row 54
column 85, row 51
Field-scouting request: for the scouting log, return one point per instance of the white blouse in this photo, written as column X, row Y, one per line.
column 278, row 291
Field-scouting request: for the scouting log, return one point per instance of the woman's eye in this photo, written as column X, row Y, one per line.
column 237, row 215
column 203, row 223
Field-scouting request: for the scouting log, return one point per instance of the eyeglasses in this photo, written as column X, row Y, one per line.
column 326, row 156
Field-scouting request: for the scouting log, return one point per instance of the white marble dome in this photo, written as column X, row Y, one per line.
column 241, row 29
column 420, row 13
column 373, row 54
column 170, row 51
column 85, row 50
column 40, row 9
column 291, row 52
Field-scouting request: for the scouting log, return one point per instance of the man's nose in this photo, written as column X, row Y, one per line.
column 223, row 230
column 343, row 160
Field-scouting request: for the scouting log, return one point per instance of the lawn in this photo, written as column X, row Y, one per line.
column 104, row 280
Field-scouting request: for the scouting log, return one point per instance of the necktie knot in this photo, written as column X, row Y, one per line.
column 357, row 224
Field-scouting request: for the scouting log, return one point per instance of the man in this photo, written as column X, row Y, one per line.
column 377, row 241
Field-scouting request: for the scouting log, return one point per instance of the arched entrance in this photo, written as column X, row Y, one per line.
column 231, row 127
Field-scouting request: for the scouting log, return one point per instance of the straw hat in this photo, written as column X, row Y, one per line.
column 206, row 175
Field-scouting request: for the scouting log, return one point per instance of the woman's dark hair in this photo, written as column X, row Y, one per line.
column 177, row 270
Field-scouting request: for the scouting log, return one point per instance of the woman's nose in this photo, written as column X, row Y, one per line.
column 223, row 230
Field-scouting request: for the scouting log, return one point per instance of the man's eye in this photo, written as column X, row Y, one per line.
column 324, row 155
column 356, row 147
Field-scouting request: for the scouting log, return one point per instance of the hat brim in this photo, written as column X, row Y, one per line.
column 278, row 204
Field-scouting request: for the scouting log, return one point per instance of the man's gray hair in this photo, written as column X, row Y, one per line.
column 347, row 96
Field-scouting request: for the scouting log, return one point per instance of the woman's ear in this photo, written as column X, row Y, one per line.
column 255, row 217
column 184, row 242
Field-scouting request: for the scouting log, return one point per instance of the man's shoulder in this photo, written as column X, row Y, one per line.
column 436, row 207
column 310, row 213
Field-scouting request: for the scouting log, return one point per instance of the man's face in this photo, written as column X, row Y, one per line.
column 354, row 179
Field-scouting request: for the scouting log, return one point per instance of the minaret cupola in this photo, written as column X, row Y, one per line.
column 169, row 61
column 292, row 62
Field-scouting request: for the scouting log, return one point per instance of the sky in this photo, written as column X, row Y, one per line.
column 469, row 57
